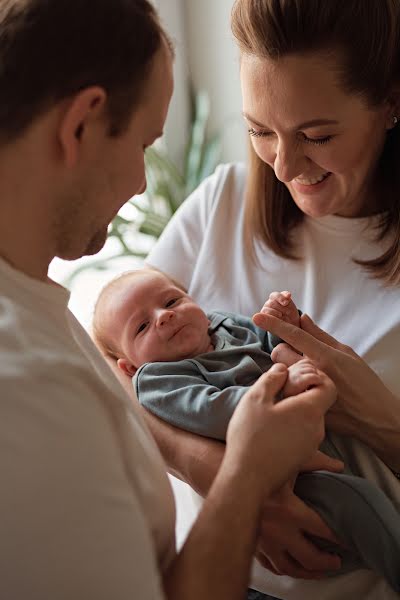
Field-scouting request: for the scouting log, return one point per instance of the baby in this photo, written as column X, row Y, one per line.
column 191, row 369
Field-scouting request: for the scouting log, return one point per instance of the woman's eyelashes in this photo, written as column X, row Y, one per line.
column 317, row 141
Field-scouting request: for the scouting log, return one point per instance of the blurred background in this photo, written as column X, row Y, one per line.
column 204, row 128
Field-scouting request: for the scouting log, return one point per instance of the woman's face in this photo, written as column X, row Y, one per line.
column 321, row 142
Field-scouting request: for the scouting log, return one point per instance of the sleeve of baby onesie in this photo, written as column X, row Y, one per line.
column 268, row 340
column 182, row 397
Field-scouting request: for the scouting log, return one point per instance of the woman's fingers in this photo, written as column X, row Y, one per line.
column 300, row 339
column 321, row 461
column 284, row 543
column 308, row 325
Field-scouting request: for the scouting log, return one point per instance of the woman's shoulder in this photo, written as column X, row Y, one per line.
column 228, row 176
column 223, row 190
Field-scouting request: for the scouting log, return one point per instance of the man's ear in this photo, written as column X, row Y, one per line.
column 126, row 367
column 82, row 111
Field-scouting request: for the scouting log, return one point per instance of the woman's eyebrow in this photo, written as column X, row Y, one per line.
column 305, row 125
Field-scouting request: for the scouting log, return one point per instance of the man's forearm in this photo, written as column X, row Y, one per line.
column 220, row 545
column 192, row 458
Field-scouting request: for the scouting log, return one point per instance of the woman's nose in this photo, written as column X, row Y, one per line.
column 289, row 161
column 164, row 316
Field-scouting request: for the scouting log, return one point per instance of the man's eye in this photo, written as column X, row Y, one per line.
column 142, row 327
column 171, row 302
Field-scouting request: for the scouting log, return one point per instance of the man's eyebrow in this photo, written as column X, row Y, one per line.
column 305, row 125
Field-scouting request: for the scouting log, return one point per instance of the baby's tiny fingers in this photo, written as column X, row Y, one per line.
column 280, row 297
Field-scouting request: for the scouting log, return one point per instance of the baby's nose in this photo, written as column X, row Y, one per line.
column 164, row 316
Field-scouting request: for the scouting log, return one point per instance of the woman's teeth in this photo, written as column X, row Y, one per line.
column 311, row 180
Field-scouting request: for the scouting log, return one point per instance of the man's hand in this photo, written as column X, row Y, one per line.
column 270, row 441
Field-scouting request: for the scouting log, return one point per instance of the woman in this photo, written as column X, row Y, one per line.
column 317, row 211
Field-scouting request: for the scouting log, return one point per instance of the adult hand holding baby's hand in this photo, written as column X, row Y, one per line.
column 365, row 408
column 270, row 441
column 281, row 305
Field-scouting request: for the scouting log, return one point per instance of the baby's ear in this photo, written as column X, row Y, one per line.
column 126, row 367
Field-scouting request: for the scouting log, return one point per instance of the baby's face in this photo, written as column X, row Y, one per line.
column 156, row 321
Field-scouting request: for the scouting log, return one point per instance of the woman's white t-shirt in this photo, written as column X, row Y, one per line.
column 202, row 247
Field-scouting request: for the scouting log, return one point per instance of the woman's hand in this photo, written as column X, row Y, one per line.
column 365, row 408
column 283, row 546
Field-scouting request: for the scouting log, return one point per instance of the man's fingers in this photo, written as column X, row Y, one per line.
column 310, row 408
column 271, row 382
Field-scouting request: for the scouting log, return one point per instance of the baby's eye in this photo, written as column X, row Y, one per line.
column 171, row 302
column 141, row 327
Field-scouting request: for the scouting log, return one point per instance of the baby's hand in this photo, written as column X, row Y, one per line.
column 301, row 376
column 281, row 305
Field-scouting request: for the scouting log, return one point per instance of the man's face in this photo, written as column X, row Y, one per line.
column 114, row 172
column 151, row 319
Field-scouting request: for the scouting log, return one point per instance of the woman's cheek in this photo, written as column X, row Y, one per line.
column 263, row 152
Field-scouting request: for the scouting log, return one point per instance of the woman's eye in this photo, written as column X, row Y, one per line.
column 317, row 141
column 171, row 302
column 257, row 133
column 141, row 327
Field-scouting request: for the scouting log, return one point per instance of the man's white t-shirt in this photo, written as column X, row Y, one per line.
column 202, row 247
column 86, row 507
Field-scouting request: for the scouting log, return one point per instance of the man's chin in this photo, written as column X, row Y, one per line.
column 93, row 247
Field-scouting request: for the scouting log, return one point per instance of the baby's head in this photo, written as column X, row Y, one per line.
column 143, row 316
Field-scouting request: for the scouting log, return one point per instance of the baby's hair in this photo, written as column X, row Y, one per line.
column 101, row 336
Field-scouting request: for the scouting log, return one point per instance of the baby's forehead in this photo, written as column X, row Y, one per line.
column 145, row 286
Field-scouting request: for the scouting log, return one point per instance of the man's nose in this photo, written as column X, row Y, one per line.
column 163, row 317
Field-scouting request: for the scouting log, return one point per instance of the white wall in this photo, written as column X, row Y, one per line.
column 213, row 65
column 176, row 128
column 206, row 57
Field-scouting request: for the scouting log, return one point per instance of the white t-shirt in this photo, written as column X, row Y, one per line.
column 202, row 247
column 86, row 507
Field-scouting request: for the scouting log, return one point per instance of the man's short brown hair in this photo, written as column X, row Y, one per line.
column 52, row 49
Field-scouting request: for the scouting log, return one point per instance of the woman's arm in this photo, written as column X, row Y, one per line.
column 366, row 409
